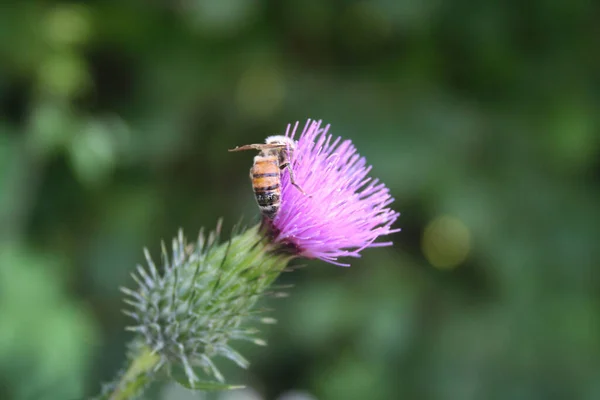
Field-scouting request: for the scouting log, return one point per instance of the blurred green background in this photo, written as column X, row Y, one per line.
column 481, row 117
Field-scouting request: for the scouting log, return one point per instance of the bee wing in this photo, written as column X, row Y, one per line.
column 261, row 146
column 246, row 147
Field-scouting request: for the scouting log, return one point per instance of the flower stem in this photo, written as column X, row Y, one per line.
column 136, row 376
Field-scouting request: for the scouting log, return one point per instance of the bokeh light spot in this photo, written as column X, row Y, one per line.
column 446, row 242
column 63, row 75
column 68, row 25
column 296, row 395
column 51, row 126
column 92, row 153
column 242, row 394
column 223, row 17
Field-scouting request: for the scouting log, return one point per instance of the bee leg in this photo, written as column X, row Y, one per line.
column 292, row 180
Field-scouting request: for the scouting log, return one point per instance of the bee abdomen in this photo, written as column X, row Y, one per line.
column 270, row 211
column 268, row 202
column 265, row 199
column 266, row 182
column 258, row 189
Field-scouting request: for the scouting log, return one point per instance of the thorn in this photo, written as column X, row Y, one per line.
column 130, row 314
column 138, row 328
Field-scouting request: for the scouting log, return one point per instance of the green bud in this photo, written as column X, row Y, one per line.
column 190, row 310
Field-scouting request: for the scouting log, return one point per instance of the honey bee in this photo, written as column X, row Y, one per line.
column 273, row 157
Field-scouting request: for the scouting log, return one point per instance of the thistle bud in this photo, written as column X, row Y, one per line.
column 195, row 305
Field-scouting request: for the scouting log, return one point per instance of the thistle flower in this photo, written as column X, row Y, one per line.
column 194, row 306
column 345, row 210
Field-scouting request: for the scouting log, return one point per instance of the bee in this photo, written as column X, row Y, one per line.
column 274, row 156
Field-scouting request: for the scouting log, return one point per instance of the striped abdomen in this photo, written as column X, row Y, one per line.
column 266, row 181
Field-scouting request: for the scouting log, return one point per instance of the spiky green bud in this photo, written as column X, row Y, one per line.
column 194, row 308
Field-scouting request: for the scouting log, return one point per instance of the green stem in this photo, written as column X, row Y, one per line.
column 136, row 376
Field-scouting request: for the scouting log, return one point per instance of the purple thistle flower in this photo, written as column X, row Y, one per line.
column 344, row 210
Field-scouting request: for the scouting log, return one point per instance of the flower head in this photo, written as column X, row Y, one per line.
column 344, row 210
